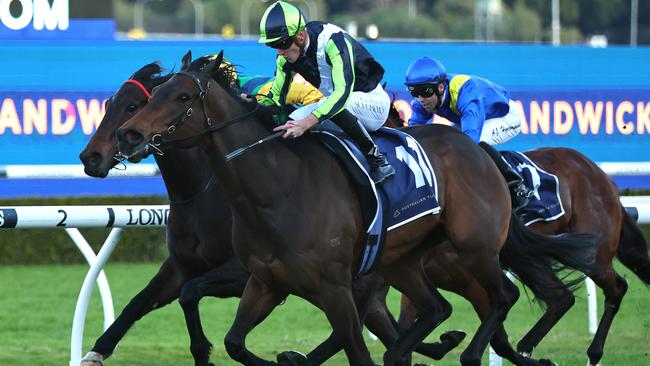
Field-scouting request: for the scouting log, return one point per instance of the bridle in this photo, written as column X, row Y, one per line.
column 119, row 157
column 160, row 138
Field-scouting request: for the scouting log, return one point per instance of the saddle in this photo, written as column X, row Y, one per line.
column 544, row 204
column 410, row 194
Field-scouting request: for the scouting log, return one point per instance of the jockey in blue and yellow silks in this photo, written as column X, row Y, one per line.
column 480, row 108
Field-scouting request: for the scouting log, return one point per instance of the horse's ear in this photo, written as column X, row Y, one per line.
column 219, row 58
column 187, row 60
column 211, row 67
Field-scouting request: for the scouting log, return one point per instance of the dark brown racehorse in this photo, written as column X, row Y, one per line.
column 297, row 223
column 201, row 261
column 592, row 205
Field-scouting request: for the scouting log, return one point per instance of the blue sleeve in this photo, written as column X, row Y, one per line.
column 472, row 111
column 420, row 116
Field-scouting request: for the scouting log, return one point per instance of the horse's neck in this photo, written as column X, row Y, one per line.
column 264, row 176
column 186, row 173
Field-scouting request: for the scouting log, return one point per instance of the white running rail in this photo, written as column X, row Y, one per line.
column 71, row 218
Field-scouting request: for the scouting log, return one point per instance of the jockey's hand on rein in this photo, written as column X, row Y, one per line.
column 296, row 128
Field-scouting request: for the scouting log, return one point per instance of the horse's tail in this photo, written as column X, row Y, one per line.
column 528, row 254
column 633, row 248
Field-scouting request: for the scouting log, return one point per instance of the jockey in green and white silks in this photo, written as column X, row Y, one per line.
column 480, row 108
column 340, row 67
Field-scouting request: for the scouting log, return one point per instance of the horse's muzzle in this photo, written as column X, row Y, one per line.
column 128, row 141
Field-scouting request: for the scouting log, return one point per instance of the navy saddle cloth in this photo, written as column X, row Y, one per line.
column 545, row 203
column 411, row 193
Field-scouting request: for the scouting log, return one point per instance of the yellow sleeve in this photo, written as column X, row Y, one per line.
column 303, row 94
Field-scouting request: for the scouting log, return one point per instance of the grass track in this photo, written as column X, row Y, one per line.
column 37, row 305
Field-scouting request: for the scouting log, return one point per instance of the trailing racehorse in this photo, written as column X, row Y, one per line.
column 297, row 221
column 592, row 205
column 201, row 261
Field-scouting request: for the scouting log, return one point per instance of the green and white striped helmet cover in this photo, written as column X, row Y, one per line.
column 280, row 20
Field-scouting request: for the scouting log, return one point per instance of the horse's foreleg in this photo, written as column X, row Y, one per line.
column 369, row 293
column 407, row 313
column 225, row 281
column 257, row 302
column 432, row 309
column 379, row 320
column 163, row 288
column 338, row 304
column 614, row 288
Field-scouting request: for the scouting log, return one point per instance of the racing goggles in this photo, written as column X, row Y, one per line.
column 425, row 91
column 281, row 44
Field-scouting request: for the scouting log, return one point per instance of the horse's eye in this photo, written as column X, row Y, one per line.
column 131, row 108
column 183, row 97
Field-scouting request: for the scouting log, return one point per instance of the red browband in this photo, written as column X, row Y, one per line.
column 139, row 85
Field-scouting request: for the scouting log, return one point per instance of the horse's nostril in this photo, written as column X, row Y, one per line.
column 95, row 159
column 130, row 136
column 133, row 136
column 91, row 158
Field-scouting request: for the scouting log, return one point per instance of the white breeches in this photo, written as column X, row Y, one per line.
column 499, row 130
column 370, row 108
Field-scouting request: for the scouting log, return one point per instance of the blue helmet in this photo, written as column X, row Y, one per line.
column 425, row 70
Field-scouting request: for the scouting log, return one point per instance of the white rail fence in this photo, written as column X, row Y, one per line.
column 147, row 170
column 70, row 218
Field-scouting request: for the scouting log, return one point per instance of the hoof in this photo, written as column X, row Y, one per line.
column 453, row 336
column 546, row 362
column 291, row 358
column 92, row 359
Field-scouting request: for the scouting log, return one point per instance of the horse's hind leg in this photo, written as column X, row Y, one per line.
column 225, row 281
column 500, row 342
column 614, row 288
column 633, row 249
column 557, row 298
column 489, row 275
column 257, row 302
column 163, row 288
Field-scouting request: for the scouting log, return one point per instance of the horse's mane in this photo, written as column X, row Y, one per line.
column 148, row 72
column 394, row 119
column 226, row 76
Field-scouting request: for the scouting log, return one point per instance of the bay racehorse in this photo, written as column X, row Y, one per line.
column 201, row 261
column 592, row 205
column 297, row 224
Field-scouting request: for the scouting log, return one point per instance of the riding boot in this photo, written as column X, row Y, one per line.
column 380, row 169
column 519, row 193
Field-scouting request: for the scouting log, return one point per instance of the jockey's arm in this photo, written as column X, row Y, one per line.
column 281, row 81
column 472, row 111
column 338, row 51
